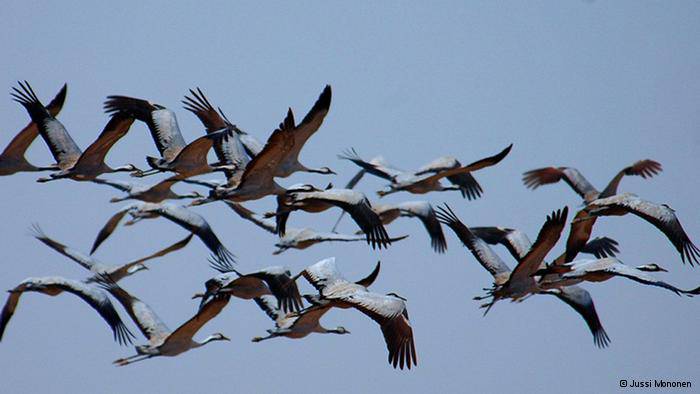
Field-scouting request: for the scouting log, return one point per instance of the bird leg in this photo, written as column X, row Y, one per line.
column 142, row 173
column 258, row 339
column 130, row 360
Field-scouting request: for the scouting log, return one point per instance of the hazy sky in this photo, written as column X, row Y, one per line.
column 594, row 85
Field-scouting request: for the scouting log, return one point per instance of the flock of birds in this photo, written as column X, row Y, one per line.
column 250, row 169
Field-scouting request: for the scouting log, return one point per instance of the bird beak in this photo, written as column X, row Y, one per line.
column 197, row 295
column 225, row 338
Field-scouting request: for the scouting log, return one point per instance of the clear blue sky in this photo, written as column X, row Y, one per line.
column 594, row 85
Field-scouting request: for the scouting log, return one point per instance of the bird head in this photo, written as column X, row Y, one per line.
column 326, row 171
column 136, row 268
column 341, row 330
column 217, row 337
column 651, row 267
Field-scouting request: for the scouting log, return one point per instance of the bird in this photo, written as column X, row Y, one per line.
column 600, row 270
column 299, row 324
column 576, row 297
column 389, row 310
column 518, row 283
column 12, row 159
column 311, row 199
column 302, row 238
column 427, row 182
column 185, row 218
column 153, row 193
column 55, row 285
column 161, row 340
column 300, row 133
column 415, row 209
column 294, row 325
column 176, row 155
column 115, row 272
column 468, row 185
column 661, row 216
column 275, row 280
column 542, row 176
column 294, row 238
column 73, row 163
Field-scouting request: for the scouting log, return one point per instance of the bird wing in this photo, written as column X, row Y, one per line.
column 245, row 213
column 373, row 169
column 391, row 315
column 546, row 239
column 425, row 212
column 210, row 310
column 601, row 247
column 645, row 168
column 78, row 257
column 109, row 227
column 119, row 185
column 580, row 300
column 19, row 144
column 516, row 241
column 323, row 274
column 145, row 318
column 311, row 123
column 195, row 223
column 369, row 279
column 579, row 234
column 359, row 208
column 194, row 155
column 116, row 128
column 199, row 105
column 261, row 169
column 480, row 249
column 661, row 216
column 64, row 150
column 9, row 309
column 124, row 269
column 543, row 176
column 161, row 122
column 468, row 185
column 280, row 282
column 477, row 165
column 268, row 304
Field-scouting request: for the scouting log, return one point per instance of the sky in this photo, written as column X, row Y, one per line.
column 592, row 85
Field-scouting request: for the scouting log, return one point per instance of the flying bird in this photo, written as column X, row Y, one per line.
column 661, row 216
column 115, row 272
column 389, row 311
column 183, row 217
column 159, row 192
column 428, row 181
column 600, row 270
column 542, row 176
column 311, row 199
column 73, row 163
column 55, row 285
column 161, row 340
